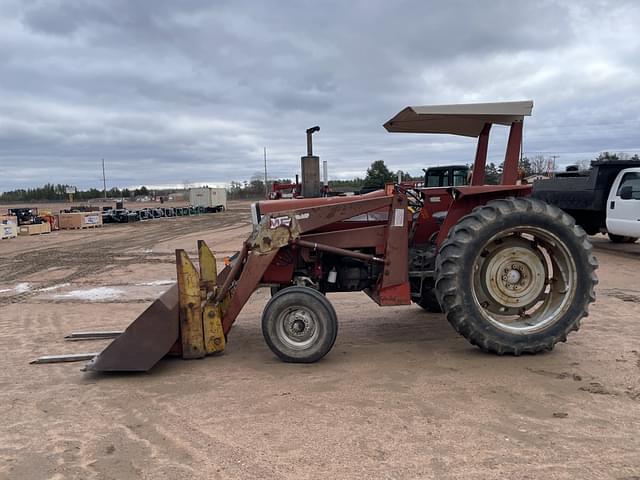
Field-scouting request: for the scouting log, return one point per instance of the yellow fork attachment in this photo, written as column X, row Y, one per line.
column 201, row 330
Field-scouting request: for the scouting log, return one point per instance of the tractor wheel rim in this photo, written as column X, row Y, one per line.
column 514, row 275
column 297, row 328
column 524, row 280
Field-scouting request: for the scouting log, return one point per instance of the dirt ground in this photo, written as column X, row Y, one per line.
column 401, row 395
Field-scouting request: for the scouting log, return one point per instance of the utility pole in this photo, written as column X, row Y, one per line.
column 552, row 165
column 521, row 148
column 104, row 180
column 266, row 187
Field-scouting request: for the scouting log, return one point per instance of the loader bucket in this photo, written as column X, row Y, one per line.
column 144, row 342
column 186, row 320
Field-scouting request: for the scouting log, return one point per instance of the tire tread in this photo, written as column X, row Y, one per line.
column 449, row 265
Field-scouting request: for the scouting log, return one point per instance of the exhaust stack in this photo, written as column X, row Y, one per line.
column 310, row 167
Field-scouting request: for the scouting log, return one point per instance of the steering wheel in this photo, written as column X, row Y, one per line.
column 414, row 199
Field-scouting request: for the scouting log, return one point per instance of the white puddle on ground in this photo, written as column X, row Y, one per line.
column 134, row 291
column 155, row 282
column 53, row 287
column 22, row 287
column 92, row 294
column 19, row 288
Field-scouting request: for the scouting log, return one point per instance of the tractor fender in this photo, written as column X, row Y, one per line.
column 466, row 198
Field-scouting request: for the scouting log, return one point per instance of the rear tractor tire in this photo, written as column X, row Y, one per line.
column 516, row 276
column 299, row 325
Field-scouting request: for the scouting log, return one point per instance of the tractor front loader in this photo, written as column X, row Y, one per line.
column 512, row 274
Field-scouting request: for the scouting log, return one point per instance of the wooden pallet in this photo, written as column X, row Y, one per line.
column 84, row 227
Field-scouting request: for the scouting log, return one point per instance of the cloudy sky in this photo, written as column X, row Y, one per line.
column 169, row 92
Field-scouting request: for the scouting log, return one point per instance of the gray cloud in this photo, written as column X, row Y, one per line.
column 167, row 91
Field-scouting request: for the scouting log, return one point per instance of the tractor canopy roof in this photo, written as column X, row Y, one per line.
column 461, row 119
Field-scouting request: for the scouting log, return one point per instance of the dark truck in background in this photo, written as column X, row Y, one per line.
column 605, row 199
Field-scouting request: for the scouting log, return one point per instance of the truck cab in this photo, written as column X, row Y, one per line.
column 623, row 205
column 446, row 176
column 606, row 199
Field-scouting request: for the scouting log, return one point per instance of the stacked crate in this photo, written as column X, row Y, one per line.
column 8, row 226
column 77, row 220
column 34, row 229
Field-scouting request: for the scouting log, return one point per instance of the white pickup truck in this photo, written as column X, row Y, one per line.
column 623, row 207
column 606, row 199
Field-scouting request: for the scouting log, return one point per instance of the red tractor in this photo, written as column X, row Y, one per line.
column 511, row 273
column 285, row 190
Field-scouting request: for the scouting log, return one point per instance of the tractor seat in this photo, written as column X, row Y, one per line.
column 440, row 216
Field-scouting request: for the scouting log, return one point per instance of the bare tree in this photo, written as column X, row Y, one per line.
column 608, row 157
column 257, row 183
column 539, row 165
column 584, row 164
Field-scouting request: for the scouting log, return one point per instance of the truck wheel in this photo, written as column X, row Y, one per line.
column 621, row 238
column 299, row 325
column 516, row 276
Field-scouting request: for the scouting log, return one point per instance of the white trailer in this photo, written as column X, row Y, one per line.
column 219, row 198
column 208, row 197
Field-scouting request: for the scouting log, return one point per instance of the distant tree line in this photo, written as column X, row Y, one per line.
column 57, row 192
column 541, row 165
column 377, row 175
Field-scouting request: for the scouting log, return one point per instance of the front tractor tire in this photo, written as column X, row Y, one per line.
column 299, row 325
column 429, row 301
column 516, row 276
